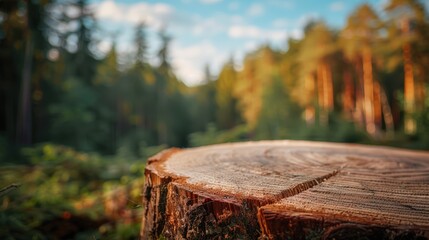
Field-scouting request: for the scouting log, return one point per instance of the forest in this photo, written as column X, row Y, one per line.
column 76, row 128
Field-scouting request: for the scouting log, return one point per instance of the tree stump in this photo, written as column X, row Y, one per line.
column 286, row 190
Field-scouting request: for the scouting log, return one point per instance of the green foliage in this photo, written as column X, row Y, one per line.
column 202, row 104
column 422, row 141
column 213, row 136
column 279, row 114
column 71, row 189
column 78, row 118
column 124, row 231
column 141, row 44
column 227, row 114
column 134, row 146
column 259, row 67
column 317, row 46
column 337, row 131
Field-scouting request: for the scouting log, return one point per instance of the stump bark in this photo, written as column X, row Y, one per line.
column 286, row 190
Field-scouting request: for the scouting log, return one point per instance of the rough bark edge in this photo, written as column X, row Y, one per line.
column 176, row 210
column 155, row 196
column 292, row 224
column 191, row 215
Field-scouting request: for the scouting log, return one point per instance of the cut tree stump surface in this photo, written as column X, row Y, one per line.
column 287, row 190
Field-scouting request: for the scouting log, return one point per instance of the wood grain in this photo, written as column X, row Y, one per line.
column 287, row 189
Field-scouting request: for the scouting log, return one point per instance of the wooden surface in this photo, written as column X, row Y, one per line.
column 287, row 190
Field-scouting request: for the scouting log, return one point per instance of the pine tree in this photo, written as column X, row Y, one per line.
column 164, row 52
column 315, row 57
column 227, row 113
column 258, row 71
column 141, row 45
column 359, row 38
column 409, row 26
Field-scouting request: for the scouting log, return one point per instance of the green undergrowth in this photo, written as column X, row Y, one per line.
column 59, row 193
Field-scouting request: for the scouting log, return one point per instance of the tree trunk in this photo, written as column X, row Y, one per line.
column 348, row 102
column 409, row 89
column 420, row 88
column 309, row 113
column 387, row 113
column 377, row 105
column 368, row 88
column 286, row 190
column 328, row 87
column 24, row 118
column 359, row 104
column 323, row 116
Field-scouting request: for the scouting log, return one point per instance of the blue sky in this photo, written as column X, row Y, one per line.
column 211, row 31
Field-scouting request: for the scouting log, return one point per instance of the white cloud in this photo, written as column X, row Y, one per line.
column 154, row 15
column 237, row 19
column 210, row 1
column 250, row 45
column 233, row 6
column 189, row 61
column 207, row 26
column 297, row 33
column 255, row 10
column 280, row 23
column 281, row 4
column 244, row 32
column 253, row 32
column 336, row 6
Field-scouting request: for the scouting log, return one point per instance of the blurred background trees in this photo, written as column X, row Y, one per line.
column 54, row 87
column 366, row 82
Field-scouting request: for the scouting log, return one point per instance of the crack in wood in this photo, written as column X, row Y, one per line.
column 301, row 187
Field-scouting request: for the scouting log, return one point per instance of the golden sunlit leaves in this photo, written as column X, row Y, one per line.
column 258, row 71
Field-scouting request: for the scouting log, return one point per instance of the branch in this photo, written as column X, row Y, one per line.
column 9, row 188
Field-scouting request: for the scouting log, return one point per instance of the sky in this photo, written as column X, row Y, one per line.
column 210, row 32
